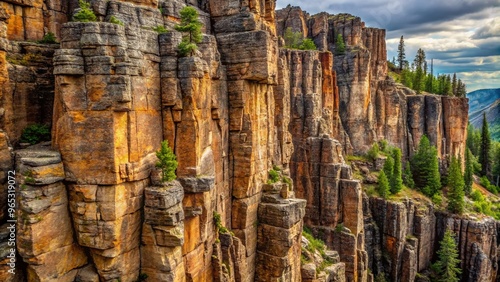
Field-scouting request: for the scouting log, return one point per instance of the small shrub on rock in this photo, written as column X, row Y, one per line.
column 48, row 38
column 85, row 14
column 167, row 162
column 114, row 20
column 35, row 133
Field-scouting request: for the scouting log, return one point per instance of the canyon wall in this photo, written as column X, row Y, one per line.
column 372, row 106
column 91, row 206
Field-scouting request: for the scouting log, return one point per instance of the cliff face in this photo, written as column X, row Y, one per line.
column 92, row 207
column 401, row 239
column 372, row 106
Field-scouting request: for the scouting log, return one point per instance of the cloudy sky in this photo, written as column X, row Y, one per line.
column 462, row 36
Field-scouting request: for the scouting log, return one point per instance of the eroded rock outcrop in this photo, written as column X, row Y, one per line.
column 372, row 107
column 237, row 108
column 44, row 225
column 402, row 238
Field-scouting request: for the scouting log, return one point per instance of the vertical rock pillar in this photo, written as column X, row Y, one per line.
column 107, row 126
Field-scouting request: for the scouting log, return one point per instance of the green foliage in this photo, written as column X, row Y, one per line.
column 339, row 45
column 388, row 167
column 384, row 146
column 167, row 162
column 496, row 163
column 295, row 40
column 186, row 48
column 485, row 148
column 380, row 278
column 418, row 79
column 48, row 38
column 473, row 140
column 218, row 223
column 314, row 243
column 35, row 133
column 373, row 152
column 383, row 185
column 114, row 20
column 339, row 227
column 456, row 184
column 401, row 53
column 437, row 199
column 408, row 176
column 292, row 39
column 287, row 180
column 273, row 177
column 468, row 172
column 191, row 27
column 446, row 268
column 397, row 173
column 160, row 29
column 425, row 168
column 307, row 44
column 476, row 196
column 85, row 14
column 486, row 184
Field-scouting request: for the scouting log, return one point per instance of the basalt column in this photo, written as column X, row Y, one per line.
column 107, row 126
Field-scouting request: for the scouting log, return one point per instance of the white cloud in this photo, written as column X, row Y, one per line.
column 462, row 36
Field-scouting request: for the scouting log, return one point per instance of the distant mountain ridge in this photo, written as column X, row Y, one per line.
column 488, row 101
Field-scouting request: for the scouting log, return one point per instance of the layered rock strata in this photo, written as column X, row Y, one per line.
column 236, row 109
column 402, row 237
column 372, row 106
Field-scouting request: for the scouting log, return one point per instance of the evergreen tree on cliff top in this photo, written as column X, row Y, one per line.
column 383, row 185
column 339, row 45
column 425, row 168
column 468, row 172
column 407, row 176
column 397, row 178
column 485, row 147
column 401, row 53
column 418, row 82
column 447, row 267
column 456, row 185
column 191, row 27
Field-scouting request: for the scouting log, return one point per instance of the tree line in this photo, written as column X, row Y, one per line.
column 418, row 77
column 484, row 156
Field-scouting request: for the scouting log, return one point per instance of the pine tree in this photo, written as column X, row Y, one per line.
column 454, row 86
column 408, row 176
column 425, row 168
column 191, row 27
column 447, row 86
column 389, row 167
column 419, row 71
column 468, row 172
column 446, row 267
column 85, row 13
column 339, row 45
column 167, row 162
column 401, row 53
column 383, row 185
column 292, row 39
column 307, row 44
column 496, row 165
column 461, row 89
column 456, row 184
column 484, row 152
column 396, row 179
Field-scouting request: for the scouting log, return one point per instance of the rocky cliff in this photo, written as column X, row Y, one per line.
column 90, row 203
column 372, row 106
